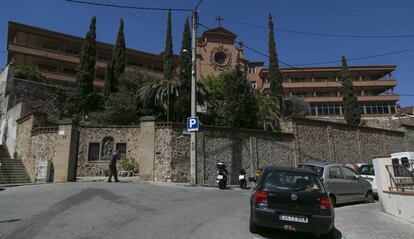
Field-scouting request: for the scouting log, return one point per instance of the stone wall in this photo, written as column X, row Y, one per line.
column 43, row 147
column 241, row 148
column 172, row 153
column 336, row 142
column 23, row 144
column 36, row 96
column 34, row 142
column 94, row 134
column 237, row 148
column 409, row 137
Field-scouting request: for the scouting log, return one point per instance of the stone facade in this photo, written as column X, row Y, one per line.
column 91, row 134
column 409, row 137
column 336, row 142
column 34, row 143
column 172, row 153
column 237, row 148
column 166, row 151
column 240, row 148
column 36, row 96
column 43, row 147
column 23, row 145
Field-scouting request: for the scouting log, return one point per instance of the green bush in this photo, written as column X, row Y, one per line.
column 127, row 164
column 28, row 73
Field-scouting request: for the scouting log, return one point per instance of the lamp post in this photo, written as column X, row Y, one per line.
column 193, row 140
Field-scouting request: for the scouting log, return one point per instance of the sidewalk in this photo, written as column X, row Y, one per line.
column 367, row 221
column 104, row 179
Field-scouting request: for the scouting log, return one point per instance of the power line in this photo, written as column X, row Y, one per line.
column 258, row 52
column 140, row 19
column 297, row 66
column 359, row 58
column 130, row 7
column 319, row 34
column 198, row 4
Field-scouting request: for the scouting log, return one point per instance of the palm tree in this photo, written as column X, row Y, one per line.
column 268, row 110
column 160, row 92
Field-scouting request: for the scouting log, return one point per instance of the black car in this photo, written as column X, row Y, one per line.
column 291, row 199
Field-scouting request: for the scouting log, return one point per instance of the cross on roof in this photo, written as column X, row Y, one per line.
column 219, row 19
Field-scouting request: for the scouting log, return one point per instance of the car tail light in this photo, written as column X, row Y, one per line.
column 325, row 204
column 261, row 197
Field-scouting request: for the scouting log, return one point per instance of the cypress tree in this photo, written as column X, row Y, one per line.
column 168, row 51
column 117, row 66
column 108, row 79
column 350, row 100
column 86, row 68
column 183, row 103
column 168, row 65
column 275, row 77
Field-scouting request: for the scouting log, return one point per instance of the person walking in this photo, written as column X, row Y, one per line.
column 112, row 167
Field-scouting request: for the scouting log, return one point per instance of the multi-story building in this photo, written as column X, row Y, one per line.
column 56, row 55
column 321, row 88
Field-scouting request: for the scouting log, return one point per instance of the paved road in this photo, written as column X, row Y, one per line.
column 129, row 210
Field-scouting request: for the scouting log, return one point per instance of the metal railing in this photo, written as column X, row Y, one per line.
column 401, row 176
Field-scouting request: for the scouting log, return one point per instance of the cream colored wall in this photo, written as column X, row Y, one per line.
column 204, row 51
column 399, row 205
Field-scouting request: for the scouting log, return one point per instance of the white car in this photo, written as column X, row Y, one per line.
column 367, row 172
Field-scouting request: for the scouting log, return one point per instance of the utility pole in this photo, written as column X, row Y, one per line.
column 193, row 144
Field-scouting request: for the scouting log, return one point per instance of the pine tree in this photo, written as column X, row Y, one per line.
column 117, row 66
column 350, row 100
column 183, row 103
column 275, row 77
column 86, row 68
column 168, row 65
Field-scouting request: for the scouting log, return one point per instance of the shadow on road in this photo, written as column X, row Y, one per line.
column 279, row 234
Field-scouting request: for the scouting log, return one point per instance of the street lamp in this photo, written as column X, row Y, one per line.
column 193, row 139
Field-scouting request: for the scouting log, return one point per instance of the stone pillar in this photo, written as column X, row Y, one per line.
column 147, row 149
column 66, row 152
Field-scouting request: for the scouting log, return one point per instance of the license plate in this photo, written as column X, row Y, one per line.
column 241, row 177
column 219, row 176
column 291, row 218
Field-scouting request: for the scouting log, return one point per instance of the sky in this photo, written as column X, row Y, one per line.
column 145, row 30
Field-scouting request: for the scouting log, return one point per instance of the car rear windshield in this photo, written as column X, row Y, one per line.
column 366, row 170
column 291, row 181
column 316, row 169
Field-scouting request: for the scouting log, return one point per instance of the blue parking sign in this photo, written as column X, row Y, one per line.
column 192, row 124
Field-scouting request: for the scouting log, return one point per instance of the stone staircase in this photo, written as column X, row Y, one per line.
column 12, row 171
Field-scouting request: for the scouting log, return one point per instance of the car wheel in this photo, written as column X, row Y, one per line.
column 329, row 235
column 333, row 200
column 369, row 197
column 252, row 226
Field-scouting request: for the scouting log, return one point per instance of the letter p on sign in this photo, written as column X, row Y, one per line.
column 192, row 124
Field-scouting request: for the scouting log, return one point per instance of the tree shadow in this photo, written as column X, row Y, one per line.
column 280, row 234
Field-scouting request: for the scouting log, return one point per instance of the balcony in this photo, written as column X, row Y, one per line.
column 67, row 79
column 360, row 98
column 44, row 53
column 337, row 84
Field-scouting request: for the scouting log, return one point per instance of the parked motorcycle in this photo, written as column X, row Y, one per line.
column 242, row 179
column 221, row 175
